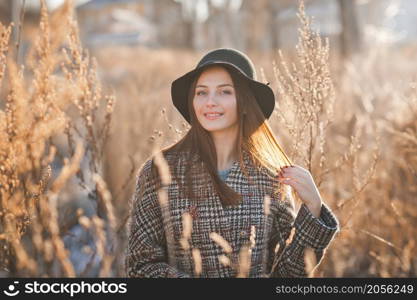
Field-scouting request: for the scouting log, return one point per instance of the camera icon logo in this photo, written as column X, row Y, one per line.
column 12, row 291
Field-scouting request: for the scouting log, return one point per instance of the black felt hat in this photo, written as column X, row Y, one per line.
column 231, row 59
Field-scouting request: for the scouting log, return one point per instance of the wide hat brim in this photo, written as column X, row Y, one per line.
column 180, row 89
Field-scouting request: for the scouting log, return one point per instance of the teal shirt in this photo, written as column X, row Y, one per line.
column 223, row 174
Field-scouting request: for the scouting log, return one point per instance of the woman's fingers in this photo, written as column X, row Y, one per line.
column 294, row 178
column 298, row 173
column 299, row 188
column 289, row 180
column 302, row 182
column 295, row 171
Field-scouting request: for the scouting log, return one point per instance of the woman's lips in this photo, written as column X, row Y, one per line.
column 212, row 116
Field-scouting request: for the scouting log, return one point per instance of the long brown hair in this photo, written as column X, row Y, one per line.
column 255, row 137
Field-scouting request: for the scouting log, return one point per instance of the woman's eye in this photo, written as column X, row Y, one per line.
column 227, row 92
column 200, row 93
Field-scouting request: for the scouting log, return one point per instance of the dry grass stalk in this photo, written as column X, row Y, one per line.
column 198, row 264
column 310, row 262
column 244, row 262
column 98, row 229
column 84, row 221
column 106, row 197
column 4, row 47
column 252, row 238
column 67, row 172
column 267, row 212
column 163, row 168
column 58, row 245
column 165, row 176
column 187, row 225
column 309, row 91
column 224, row 260
column 38, row 98
column 35, row 112
column 267, row 205
column 166, row 217
column 379, row 239
column 219, row 240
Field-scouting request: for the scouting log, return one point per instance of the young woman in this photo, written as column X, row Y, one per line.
column 223, row 172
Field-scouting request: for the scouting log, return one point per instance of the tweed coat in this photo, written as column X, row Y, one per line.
column 274, row 253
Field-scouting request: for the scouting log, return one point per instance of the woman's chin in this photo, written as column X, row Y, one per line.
column 212, row 125
column 213, row 128
column 218, row 127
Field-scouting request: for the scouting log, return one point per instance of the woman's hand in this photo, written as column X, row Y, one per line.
column 302, row 182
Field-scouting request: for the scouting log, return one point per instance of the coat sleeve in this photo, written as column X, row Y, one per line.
column 309, row 232
column 147, row 252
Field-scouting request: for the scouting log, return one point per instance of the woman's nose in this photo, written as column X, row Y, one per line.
column 211, row 101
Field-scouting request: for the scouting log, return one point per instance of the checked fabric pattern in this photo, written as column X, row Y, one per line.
column 147, row 251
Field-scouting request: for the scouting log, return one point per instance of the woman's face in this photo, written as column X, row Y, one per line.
column 215, row 101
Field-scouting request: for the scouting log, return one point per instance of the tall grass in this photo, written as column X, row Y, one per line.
column 54, row 94
column 68, row 155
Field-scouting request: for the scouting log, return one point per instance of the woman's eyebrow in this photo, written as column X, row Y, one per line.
column 220, row 85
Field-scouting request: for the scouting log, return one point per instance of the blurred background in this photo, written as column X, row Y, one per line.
column 365, row 154
column 248, row 25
